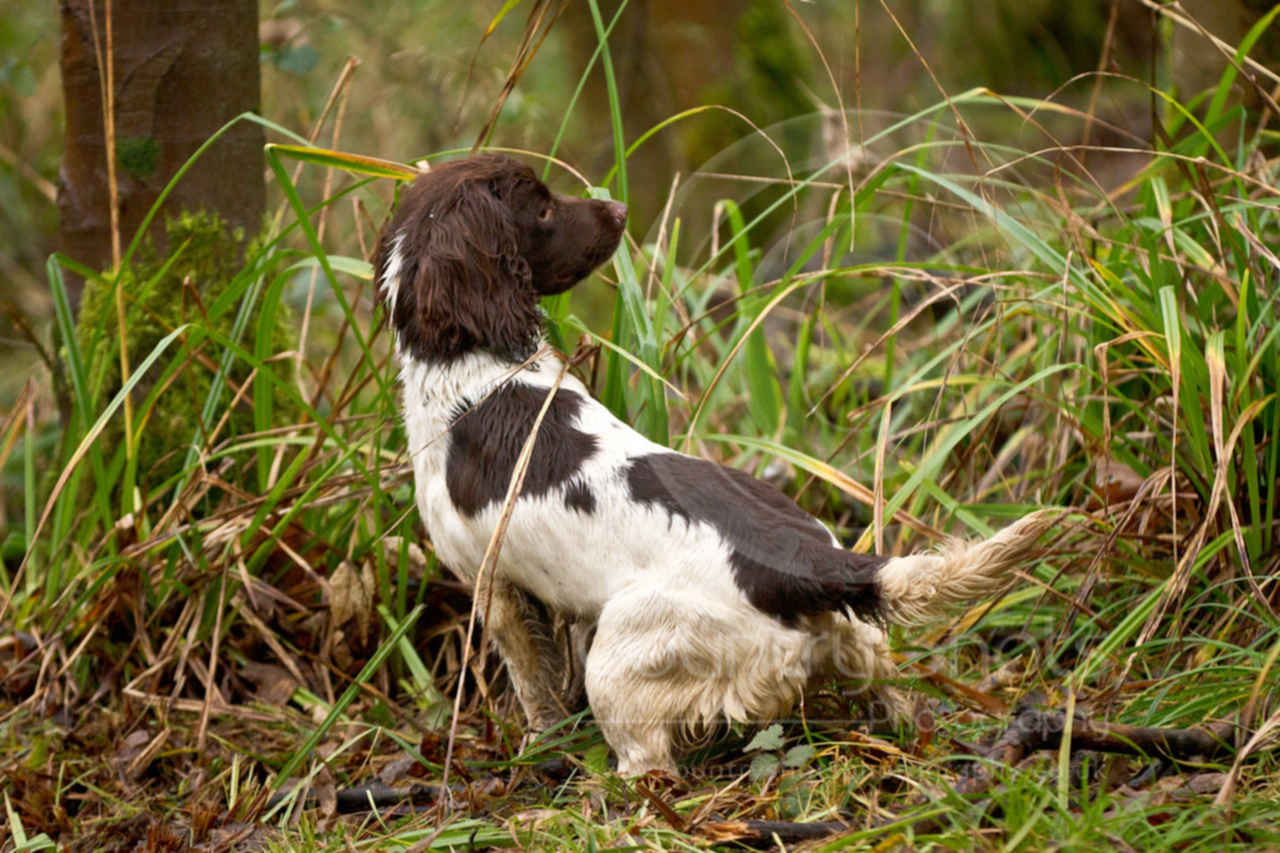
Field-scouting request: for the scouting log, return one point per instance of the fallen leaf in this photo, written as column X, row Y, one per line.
column 1207, row 783
column 396, row 770
column 131, row 747
column 137, row 751
column 326, row 792
column 1116, row 481
column 351, row 594
column 414, row 555
column 275, row 685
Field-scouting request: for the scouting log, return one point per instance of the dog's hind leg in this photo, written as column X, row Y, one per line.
column 634, row 657
column 860, row 661
column 665, row 666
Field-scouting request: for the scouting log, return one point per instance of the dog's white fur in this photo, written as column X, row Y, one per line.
column 678, row 646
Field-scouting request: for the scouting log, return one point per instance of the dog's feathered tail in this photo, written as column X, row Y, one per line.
column 920, row 587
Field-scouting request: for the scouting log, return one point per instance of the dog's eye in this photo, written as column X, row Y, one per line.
column 545, row 214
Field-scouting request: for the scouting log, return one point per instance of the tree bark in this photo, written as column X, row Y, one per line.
column 182, row 69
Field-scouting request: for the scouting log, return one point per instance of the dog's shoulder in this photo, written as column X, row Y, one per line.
column 490, row 426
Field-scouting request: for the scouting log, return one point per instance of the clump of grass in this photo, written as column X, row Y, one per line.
column 163, row 294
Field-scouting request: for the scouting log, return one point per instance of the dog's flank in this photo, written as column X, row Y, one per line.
column 783, row 559
column 711, row 595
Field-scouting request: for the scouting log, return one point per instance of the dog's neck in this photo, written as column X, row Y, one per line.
column 409, row 351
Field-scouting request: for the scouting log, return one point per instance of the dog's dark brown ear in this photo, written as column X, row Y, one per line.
column 450, row 271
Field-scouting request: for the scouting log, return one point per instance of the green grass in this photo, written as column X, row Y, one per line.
column 267, row 614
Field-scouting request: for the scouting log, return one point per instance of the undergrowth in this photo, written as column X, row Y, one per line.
column 921, row 335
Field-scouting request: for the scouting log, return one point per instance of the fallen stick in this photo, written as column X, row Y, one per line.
column 767, row 833
column 377, row 796
column 1032, row 730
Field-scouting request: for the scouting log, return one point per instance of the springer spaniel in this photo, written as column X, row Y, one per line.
column 713, row 597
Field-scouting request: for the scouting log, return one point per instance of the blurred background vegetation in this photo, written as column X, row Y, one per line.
column 429, row 73
column 428, row 78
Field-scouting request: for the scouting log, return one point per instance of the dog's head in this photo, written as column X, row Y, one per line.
column 473, row 245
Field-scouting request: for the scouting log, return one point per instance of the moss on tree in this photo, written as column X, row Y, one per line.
column 162, row 293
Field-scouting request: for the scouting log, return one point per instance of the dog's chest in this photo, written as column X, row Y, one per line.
column 434, row 396
column 467, row 423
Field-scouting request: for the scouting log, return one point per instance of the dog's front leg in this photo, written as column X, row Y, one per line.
column 523, row 629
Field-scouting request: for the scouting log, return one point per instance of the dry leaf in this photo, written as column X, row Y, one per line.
column 275, row 684
column 396, row 770
column 131, row 747
column 137, row 751
column 1010, row 675
column 414, row 554
column 1207, row 783
column 1116, row 482
column 326, row 792
column 352, row 598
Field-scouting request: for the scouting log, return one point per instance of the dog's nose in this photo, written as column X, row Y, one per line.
column 617, row 211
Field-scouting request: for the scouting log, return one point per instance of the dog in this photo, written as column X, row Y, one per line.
column 713, row 597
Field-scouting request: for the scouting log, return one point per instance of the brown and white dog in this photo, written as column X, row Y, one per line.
column 713, row 596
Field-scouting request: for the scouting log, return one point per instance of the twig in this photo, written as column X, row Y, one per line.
column 105, row 55
column 1104, row 59
column 339, row 93
column 1033, row 730
column 768, row 833
column 530, row 42
column 376, row 795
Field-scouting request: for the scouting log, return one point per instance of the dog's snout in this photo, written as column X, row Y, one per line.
column 617, row 211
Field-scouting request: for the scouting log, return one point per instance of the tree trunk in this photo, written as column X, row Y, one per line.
column 182, row 69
